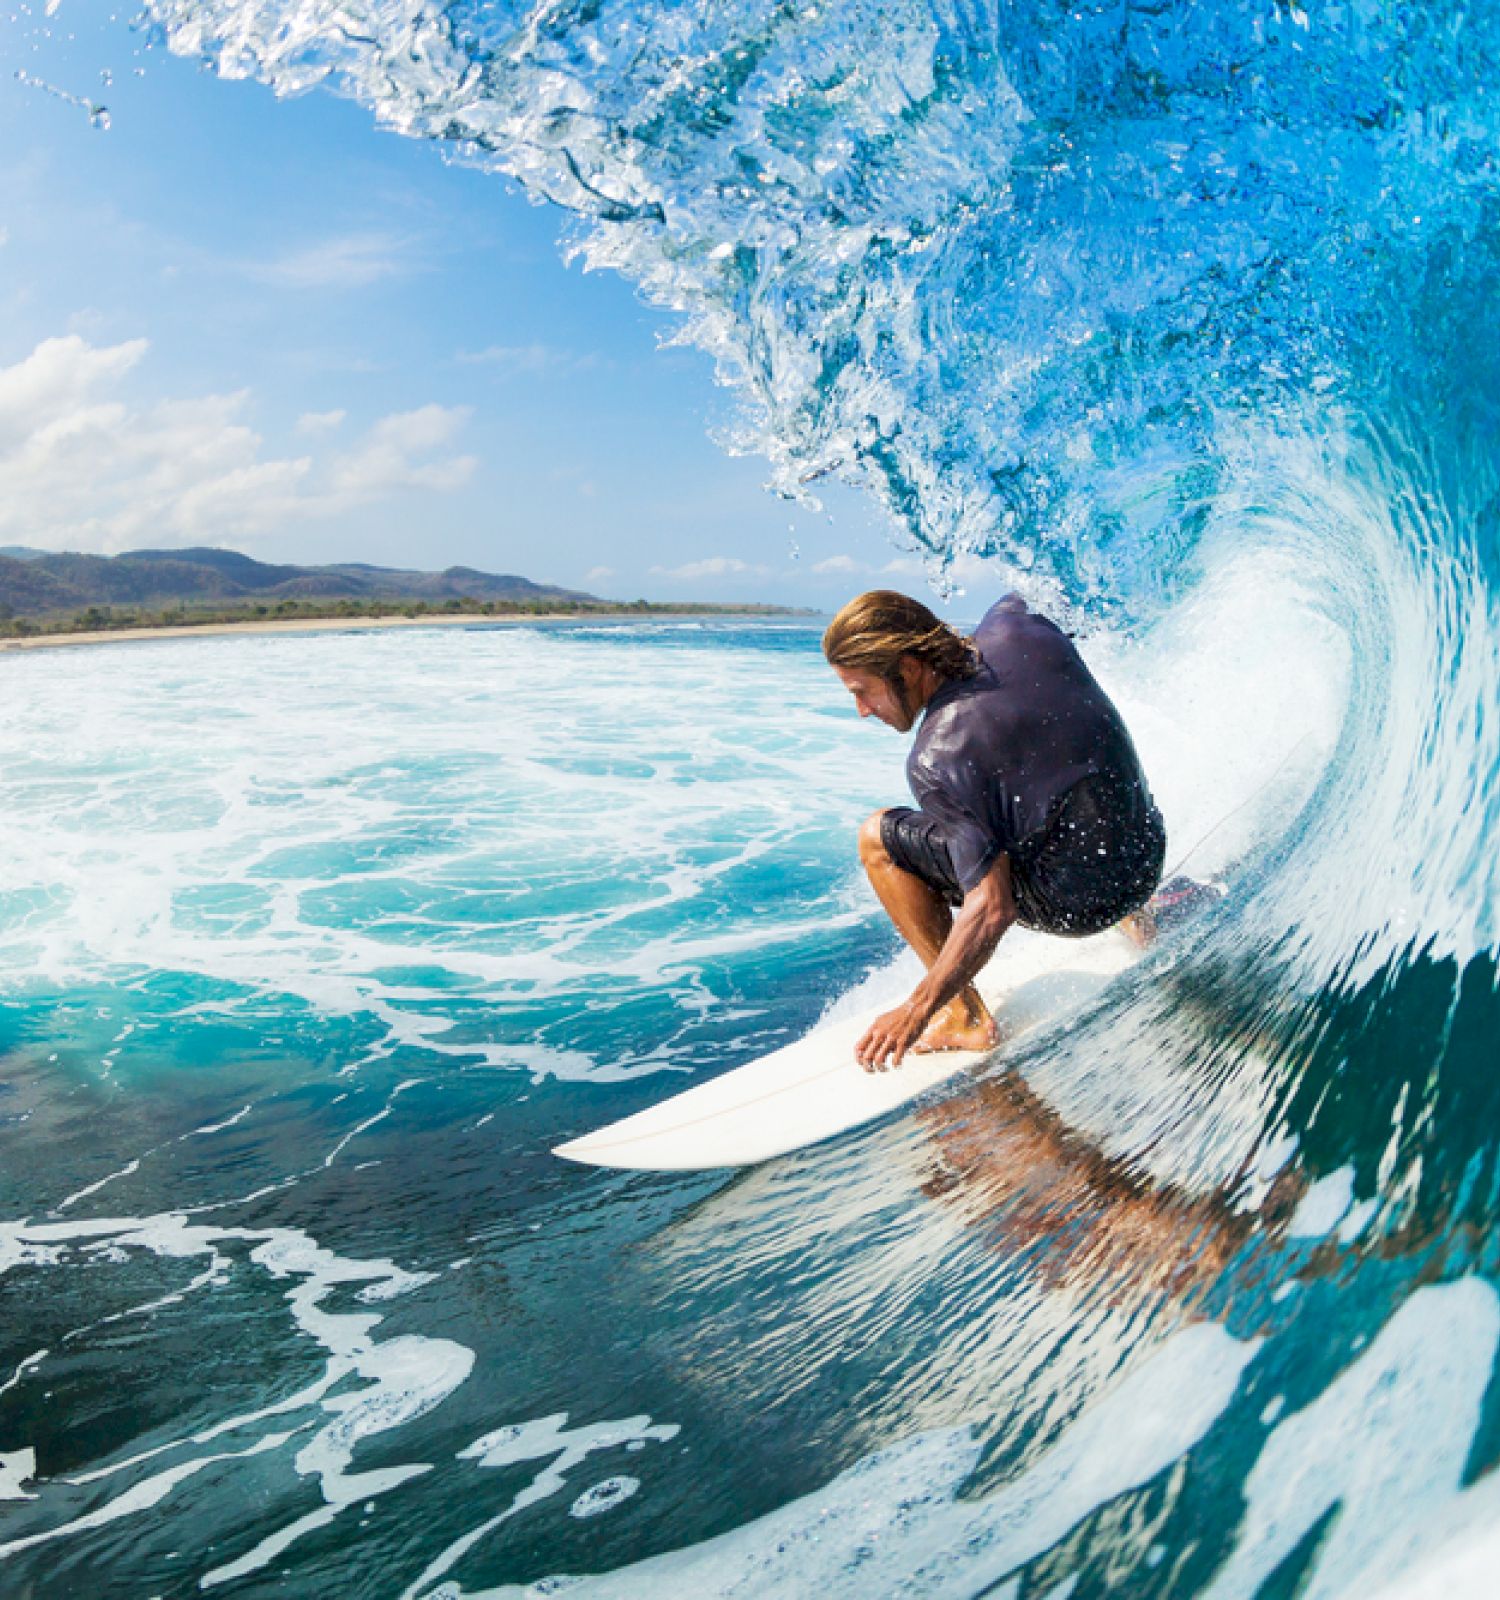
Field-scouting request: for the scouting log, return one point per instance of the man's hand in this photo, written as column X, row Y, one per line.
column 890, row 1036
column 987, row 911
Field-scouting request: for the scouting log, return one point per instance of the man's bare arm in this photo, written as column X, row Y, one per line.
column 987, row 911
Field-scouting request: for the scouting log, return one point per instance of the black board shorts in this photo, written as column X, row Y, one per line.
column 1098, row 859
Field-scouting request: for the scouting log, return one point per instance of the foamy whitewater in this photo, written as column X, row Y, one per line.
column 311, row 948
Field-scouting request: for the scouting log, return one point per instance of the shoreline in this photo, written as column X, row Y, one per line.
column 61, row 641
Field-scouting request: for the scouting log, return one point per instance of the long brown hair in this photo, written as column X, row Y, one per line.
column 875, row 630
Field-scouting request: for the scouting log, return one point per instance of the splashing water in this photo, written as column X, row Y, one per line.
column 1187, row 319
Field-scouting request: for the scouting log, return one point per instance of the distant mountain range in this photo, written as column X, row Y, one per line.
column 40, row 583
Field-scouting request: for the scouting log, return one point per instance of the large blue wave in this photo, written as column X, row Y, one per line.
column 1024, row 273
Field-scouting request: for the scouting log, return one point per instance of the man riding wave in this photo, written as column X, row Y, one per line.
column 1031, row 803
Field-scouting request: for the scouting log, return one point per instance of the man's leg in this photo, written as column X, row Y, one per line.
column 923, row 919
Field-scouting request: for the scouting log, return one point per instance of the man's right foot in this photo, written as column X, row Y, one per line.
column 946, row 1032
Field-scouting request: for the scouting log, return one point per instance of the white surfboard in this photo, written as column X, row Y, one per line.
column 813, row 1089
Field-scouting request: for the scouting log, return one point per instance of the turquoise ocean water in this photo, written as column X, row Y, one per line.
column 311, row 948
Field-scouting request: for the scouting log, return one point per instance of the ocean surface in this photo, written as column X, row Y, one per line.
column 311, row 948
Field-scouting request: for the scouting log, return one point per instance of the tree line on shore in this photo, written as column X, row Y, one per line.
column 108, row 618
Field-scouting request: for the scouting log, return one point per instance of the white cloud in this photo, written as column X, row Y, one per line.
column 598, row 574
column 320, row 421
column 844, row 565
column 54, row 380
column 711, row 567
column 391, row 455
column 904, row 567
column 82, row 467
column 351, row 261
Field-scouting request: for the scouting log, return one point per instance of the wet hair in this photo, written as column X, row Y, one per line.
column 875, row 630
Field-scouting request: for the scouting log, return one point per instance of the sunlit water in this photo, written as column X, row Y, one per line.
column 310, row 949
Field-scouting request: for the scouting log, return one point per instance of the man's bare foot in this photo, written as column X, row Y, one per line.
column 958, row 1029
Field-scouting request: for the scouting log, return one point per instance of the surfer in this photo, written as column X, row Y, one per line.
column 1031, row 803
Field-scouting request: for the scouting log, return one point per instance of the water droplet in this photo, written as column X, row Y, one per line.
column 106, row 77
column 99, row 118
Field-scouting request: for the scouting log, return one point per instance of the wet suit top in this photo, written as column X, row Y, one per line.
column 998, row 755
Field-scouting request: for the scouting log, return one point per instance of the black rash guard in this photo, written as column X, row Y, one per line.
column 997, row 754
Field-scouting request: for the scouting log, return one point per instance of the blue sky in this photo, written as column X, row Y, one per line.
column 229, row 319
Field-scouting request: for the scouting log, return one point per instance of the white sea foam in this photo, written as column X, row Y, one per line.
column 1464, row 1568
column 93, row 1188
column 368, row 1385
column 604, row 1496
column 1324, row 1206
column 895, row 1524
column 1234, row 700
column 563, row 1448
column 23, row 1368
column 405, row 832
column 219, row 1127
column 1386, row 1443
column 369, row 1122
column 1357, row 1219
column 17, row 1251
column 144, row 1495
column 406, row 1377
column 17, row 1468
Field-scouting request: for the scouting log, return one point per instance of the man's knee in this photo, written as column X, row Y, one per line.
column 872, row 849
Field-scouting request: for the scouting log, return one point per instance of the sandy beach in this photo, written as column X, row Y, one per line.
column 51, row 641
